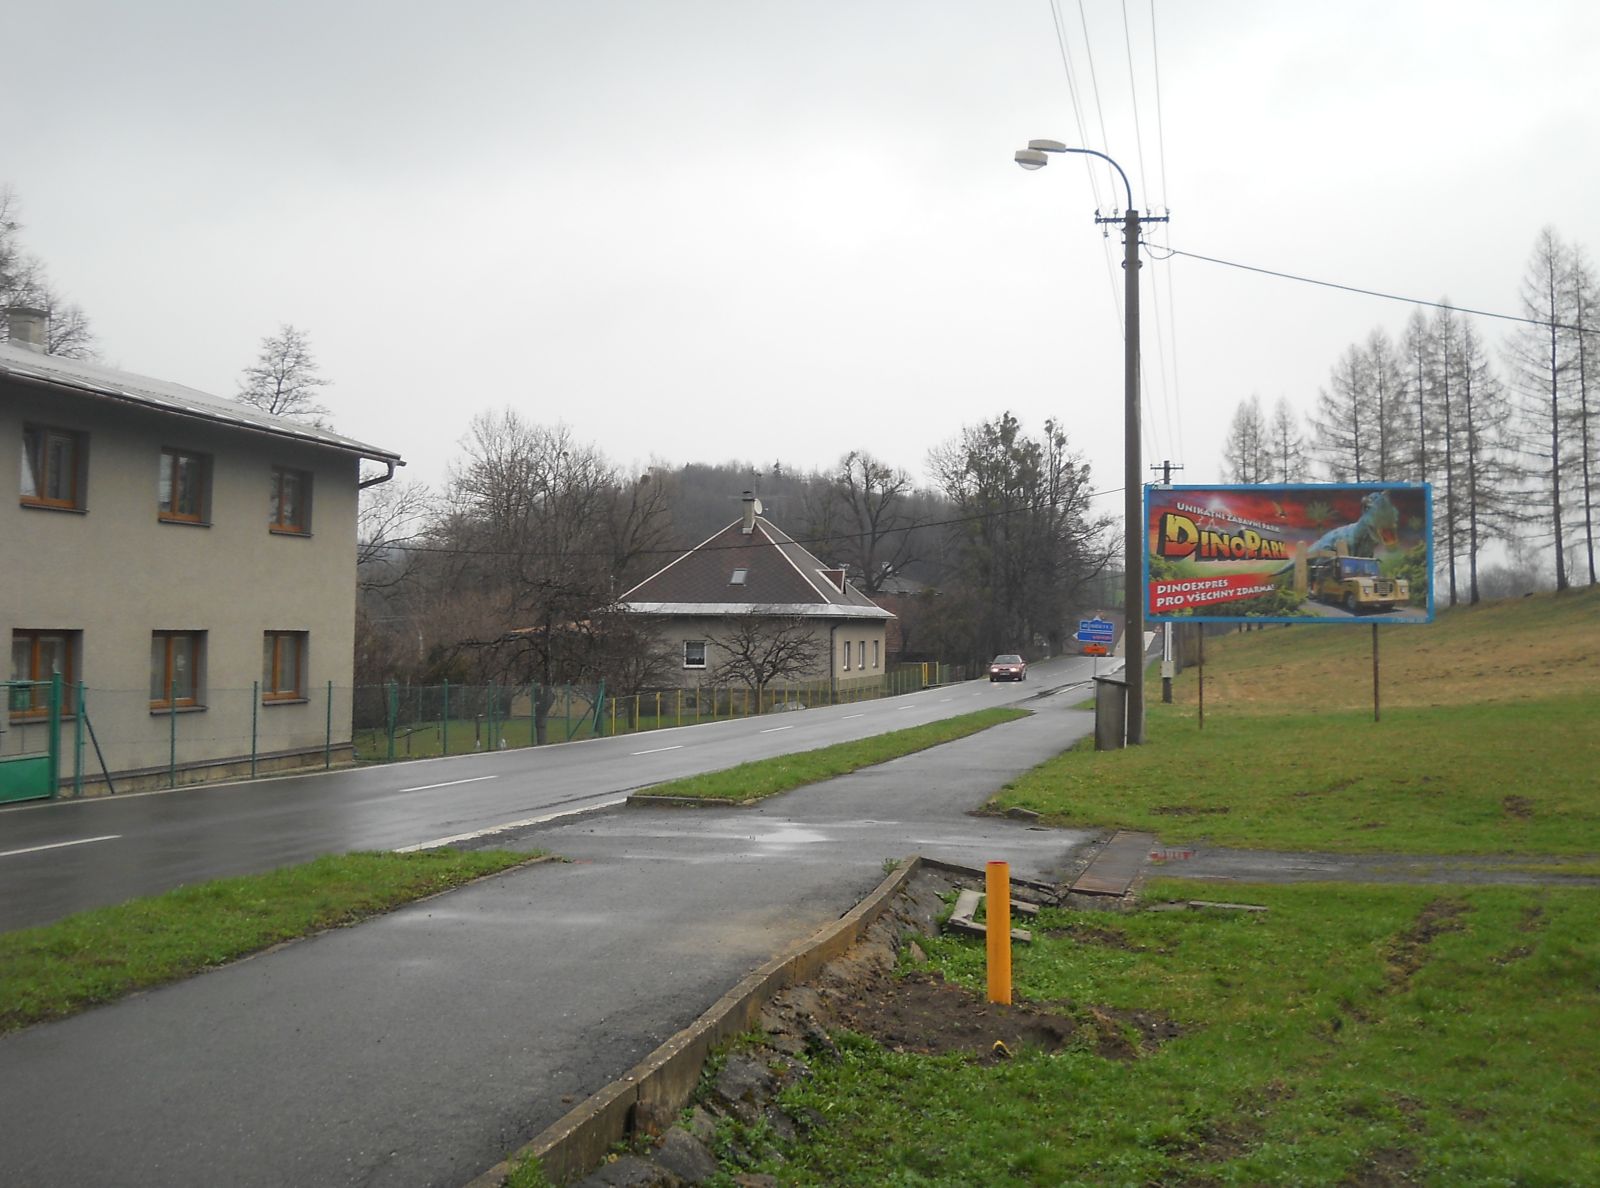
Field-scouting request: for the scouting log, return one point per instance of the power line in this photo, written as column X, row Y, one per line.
column 1309, row 280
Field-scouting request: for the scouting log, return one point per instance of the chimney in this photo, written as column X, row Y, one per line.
column 750, row 509
column 27, row 327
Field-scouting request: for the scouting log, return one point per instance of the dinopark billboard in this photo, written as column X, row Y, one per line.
column 1319, row 553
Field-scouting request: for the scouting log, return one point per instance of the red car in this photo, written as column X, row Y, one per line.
column 1008, row 668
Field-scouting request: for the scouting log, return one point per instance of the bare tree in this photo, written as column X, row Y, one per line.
column 24, row 282
column 1342, row 426
column 1247, row 450
column 1541, row 370
column 284, row 379
column 536, row 530
column 1287, row 444
column 392, row 515
column 862, row 515
column 758, row 649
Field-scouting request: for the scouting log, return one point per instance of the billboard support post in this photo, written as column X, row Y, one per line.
column 1200, row 674
column 1375, row 714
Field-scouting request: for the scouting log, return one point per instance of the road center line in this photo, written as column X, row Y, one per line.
column 449, row 784
column 658, row 750
column 847, row 717
column 774, row 729
column 82, row 841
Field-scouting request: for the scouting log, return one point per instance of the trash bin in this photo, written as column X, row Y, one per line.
column 1110, row 713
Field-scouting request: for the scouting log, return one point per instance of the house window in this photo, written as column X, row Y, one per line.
column 694, row 653
column 175, row 660
column 863, row 654
column 283, row 666
column 184, row 488
column 291, row 501
column 36, row 656
column 52, row 468
column 874, row 653
column 847, row 655
column 738, row 577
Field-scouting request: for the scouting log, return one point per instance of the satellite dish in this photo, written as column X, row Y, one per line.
column 758, row 506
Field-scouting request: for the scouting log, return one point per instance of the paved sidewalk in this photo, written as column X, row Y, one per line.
column 421, row 1047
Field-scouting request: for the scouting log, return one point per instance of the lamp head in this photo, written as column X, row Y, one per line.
column 1030, row 158
column 1047, row 146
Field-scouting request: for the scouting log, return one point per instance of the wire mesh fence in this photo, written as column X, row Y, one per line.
column 106, row 735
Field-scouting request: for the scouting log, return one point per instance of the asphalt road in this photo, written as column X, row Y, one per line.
column 421, row 1047
column 63, row 857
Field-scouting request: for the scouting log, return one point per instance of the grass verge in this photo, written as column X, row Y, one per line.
column 1356, row 1035
column 98, row 956
column 768, row 777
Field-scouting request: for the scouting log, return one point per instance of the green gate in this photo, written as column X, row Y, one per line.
column 32, row 774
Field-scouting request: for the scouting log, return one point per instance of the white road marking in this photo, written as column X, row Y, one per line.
column 942, row 700
column 847, row 717
column 522, row 824
column 448, row 784
column 906, row 707
column 774, row 729
column 82, row 841
column 658, row 750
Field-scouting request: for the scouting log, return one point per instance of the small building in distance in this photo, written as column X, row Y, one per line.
column 751, row 580
column 187, row 560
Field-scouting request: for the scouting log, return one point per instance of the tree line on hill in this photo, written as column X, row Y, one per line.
column 514, row 570
column 1509, row 438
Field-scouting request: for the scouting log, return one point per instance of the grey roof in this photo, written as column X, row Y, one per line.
column 107, row 383
column 777, row 576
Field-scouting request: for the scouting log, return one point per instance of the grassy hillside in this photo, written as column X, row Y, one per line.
column 1489, row 741
column 1519, row 649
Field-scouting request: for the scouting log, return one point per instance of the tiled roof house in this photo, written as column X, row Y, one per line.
column 753, row 568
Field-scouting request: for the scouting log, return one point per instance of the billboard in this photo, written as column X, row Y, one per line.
column 1302, row 553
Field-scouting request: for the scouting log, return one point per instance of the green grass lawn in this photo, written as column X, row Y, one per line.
column 767, row 777
column 1465, row 779
column 100, row 955
column 1355, row 1035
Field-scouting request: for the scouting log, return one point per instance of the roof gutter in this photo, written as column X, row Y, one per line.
column 381, row 478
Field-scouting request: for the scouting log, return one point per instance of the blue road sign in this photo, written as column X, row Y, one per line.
column 1096, row 631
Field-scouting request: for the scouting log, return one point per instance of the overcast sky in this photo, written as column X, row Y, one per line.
column 775, row 229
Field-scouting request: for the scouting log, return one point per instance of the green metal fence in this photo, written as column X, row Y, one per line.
column 75, row 740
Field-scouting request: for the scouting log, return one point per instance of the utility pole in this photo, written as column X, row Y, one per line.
column 1167, row 667
column 1033, row 157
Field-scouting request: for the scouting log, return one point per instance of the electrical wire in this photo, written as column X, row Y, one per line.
column 1308, row 280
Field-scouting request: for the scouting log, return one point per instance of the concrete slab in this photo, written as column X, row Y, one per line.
column 1114, row 869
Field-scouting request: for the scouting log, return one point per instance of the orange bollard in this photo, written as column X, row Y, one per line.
column 997, row 930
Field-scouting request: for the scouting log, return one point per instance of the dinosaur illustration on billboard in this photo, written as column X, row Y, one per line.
column 1303, row 553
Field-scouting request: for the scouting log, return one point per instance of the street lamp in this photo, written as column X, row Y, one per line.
column 1035, row 156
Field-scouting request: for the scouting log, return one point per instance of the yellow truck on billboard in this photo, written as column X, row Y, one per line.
column 1355, row 584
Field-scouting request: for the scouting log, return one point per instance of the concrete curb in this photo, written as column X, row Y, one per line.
column 654, row 1090
column 645, row 800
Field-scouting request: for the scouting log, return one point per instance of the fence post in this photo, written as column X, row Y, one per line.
column 394, row 713
column 55, row 734
column 77, row 744
column 255, row 704
column 172, row 734
column 444, row 727
column 494, row 744
column 658, row 709
column 327, row 739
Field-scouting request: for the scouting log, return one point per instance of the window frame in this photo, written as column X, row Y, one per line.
column 37, row 458
column 197, row 644
column 846, row 667
column 276, row 523
column 875, row 644
column 272, row 692
column 686, row 661
column 202, row 462
column 38, row 706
